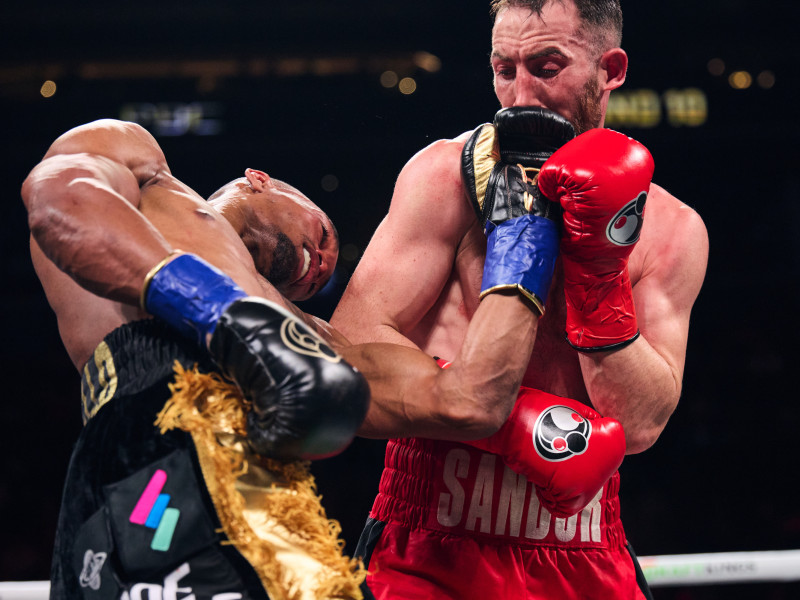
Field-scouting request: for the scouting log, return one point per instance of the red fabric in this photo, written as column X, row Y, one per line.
column 460, row 525
column 417, row 564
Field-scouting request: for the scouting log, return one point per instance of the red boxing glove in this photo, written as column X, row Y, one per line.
column 601, row 178
column 564, row 447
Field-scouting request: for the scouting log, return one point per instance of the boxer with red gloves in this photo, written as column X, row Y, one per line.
column 418, row 284
column 546, row 478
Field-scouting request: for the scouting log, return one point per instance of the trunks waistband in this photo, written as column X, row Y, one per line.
column 456, row 489
column 133, row 358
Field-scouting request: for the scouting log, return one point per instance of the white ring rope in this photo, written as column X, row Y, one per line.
column 24, row 590
column 664, row 570
column 721, row 567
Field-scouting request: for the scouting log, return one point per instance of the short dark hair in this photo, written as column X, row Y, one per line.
column 602, row 17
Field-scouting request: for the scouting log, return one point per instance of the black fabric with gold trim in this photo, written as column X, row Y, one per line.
column 132, row 358
column 164, row 493
column 136, row 519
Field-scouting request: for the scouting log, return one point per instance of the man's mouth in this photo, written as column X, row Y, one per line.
column 306, row 263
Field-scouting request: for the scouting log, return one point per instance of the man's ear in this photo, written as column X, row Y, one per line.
column 614, row 63
column 258, row 179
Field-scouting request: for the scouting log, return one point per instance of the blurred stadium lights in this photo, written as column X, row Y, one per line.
column 48, row 89
column 427, row 61
column 172, row 119
column 19, row 80
column 716, row 66
column 407, row 86
column 645, row 108
column 740, row 80
column 766, row 80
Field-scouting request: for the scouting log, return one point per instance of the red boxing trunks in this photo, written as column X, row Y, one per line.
column 453, row 522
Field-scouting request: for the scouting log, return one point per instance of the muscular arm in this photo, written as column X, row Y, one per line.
column 84, row 193
column 410, row 257
column 105, row 209
column 640, row 384
column 413, row 397
column 400, row 278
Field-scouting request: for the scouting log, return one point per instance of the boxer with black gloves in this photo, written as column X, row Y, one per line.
column 145, row 505
column 132, row 468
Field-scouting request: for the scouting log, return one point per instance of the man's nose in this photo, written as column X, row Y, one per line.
column 327, row 262
column 525, row 90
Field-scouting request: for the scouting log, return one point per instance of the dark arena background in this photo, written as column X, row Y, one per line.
column 334, row 97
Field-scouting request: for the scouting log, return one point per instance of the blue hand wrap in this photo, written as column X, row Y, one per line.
column 521, row 254
column 190, row 295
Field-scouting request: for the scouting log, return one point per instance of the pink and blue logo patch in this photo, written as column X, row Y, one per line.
column 152, row 511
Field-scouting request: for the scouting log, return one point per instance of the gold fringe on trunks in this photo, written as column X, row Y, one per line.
column 269, row 510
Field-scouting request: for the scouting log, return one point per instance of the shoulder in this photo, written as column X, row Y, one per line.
column 674, row 239
column 430, row 183
column 440, row 161
column 666, row 215
column 122, row 142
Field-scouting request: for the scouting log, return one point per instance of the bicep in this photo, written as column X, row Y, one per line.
column 668, row 288
column 126, row 144
column 397, row 281
column 410, row 257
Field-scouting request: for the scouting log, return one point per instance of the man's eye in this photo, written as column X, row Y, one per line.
column 548, row 72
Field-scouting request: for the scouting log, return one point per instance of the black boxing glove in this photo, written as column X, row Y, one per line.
column 499, row 164
column 500, row 161
column 307, row 402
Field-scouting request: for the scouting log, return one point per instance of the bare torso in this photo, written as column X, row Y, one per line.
column 440, row 329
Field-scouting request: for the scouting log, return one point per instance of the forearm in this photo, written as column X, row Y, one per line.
column 486, row 374
column 635, row 385
column 412, row 397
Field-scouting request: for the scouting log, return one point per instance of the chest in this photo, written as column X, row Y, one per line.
column 554, row 365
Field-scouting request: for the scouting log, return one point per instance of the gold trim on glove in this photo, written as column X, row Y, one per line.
column 530, row 296
column 152, row 273
column 485, row 156
column 527, row 198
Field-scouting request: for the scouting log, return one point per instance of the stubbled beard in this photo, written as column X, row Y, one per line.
column 273, row 253
column 284, row 260
column 588, row 113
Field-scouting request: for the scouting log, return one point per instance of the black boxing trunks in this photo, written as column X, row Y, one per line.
column 162, row 501
column 454, row 523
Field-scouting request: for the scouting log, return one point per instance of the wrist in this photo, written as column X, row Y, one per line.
column 189, row 294
column 521, row 255
column 601, row 315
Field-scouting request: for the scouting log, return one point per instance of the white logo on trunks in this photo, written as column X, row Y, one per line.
column 170, row 589
column 625, row 227
column 490, row 498
column 92, row 565
column 305, row 342
column 560, row 433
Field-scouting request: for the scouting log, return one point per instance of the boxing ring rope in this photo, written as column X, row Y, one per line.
column 660, row 571
column 719, row 568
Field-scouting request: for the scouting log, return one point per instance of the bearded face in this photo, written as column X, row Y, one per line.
column 588, row 107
